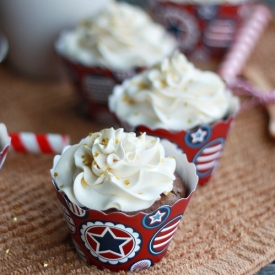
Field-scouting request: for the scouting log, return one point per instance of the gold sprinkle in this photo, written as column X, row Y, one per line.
column 143, row 85
column 85, row 144
column 96, row 154
column 161, row 160
column 169, row 193
column 61, row 186
column 127, row 99
column 141, row 139
column 97, row 136
column 84, row 183
column 14, row 219
column 83, row 156
column 117, row 141
column 90, row 134
column 140, row 193
column 153, row 141
column 117, row 177
column 55, row 174
column 136, row 113
column 45, row 264
column 86, row 163
column 115, row 160
column 127, row 182
column 7, row 251
column 171, row 157
column 185, row 89
column 189, row 120
column 108, row 170
column 186, row 104
column 104, row 141
column 102, row 175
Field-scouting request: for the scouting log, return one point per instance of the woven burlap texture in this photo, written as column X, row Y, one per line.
column 228, row 228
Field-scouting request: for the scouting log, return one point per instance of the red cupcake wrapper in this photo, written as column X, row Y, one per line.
column 203, row 30
column 118, row 241
column 202, row 145
column 93, row 85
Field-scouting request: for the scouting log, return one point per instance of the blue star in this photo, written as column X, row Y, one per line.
column 157, row 217
column 198, row 136
column 107, row 241
column 175, row 28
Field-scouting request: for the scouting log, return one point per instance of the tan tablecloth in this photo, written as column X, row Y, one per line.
column 228, row 228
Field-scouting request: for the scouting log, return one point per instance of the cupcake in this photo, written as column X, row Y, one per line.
column 176, row 101
column 105, row 49
column 123, row 197
column 5, row 142
column 203, row 28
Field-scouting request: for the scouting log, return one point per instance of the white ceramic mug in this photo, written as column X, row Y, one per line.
column 32, row 26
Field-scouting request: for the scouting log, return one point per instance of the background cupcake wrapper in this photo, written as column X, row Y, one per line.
column 209, row 29
column 93, row 85
column 202, row 145
column 120, row 242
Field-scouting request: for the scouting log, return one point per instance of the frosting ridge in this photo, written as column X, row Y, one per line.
column 173, row 95
column 115, row 169
column 120, row 37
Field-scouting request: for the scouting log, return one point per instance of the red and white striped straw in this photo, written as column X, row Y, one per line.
column 25, row 142
column 245, row 42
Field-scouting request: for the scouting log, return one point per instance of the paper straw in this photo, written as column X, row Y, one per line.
column 25, row 142
column 245, row 41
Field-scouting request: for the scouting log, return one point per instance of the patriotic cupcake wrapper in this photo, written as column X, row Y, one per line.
column 203, row 145
column 93, row 85
column 118, row 241
column 205, row 30
column 5, row 142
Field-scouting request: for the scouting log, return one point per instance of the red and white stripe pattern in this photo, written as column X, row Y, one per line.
column 219, row 33
column 244, row 43
column 76, row 209
column 163, row 237
column 69, row 220
column 25, row 142
column 209, row 157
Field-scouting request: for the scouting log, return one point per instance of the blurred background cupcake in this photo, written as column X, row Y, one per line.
column 176, row 101
column 107, row 48
column 204, row 29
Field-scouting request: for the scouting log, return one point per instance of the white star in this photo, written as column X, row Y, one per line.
column 157, row 217
column 198, row 136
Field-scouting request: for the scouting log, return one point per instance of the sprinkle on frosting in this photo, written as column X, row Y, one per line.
column 178, row 96
column 126, row 166
column 121, row 37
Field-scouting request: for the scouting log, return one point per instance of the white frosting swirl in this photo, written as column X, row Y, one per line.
column 207, row 2
column 114, row 169
column 121, row 37
column 173, row 95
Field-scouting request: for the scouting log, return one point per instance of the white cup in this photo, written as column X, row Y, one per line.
column 32, row 26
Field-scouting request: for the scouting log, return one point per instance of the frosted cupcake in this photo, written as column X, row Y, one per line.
column 105, row 49
column 203, row 28
column 176, row 101
column 107, row 185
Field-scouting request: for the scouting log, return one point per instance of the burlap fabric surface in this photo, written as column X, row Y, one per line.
column 228, row 228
